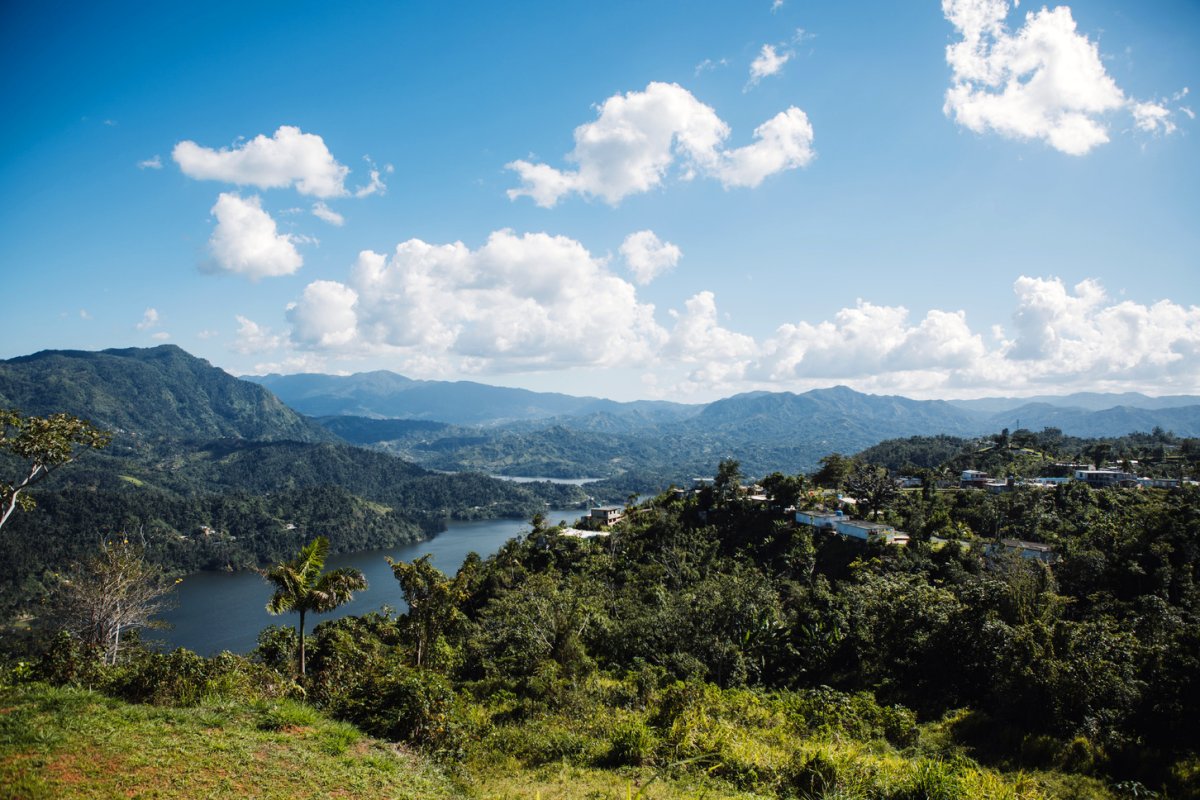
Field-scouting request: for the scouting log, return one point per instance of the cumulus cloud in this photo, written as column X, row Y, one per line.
column 325, row 316
column 254, row 338
column 698, row 338
column 530, row 301
column 1046, row 81
column 149, row 319
column 375, row 185
column 1081, row 331
column 151, row 163
column 322, row 211
column 1060, row 337
column 289, row 158
column 647, row 256
column 768, row 62
column 638, row 136
column 247, row 242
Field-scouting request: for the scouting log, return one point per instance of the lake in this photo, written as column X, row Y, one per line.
column 215, row 611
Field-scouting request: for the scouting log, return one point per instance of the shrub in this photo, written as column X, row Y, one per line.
column 632, row 743
column 408, row 705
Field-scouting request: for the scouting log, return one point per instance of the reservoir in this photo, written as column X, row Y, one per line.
column 215, row 611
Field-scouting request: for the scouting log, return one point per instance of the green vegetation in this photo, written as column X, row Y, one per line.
column 58, row 743
column 709, row 645
column 204, row 470
column 301, row 585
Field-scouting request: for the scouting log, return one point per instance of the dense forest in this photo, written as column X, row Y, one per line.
column 709, row 639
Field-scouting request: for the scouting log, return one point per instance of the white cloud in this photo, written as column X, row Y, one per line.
column 149, row 319
column 1152, row 117
column 151, row 163
column 707, row 65
column 1083, row 333
column 160, row 336
column 289, row 158
column 322, row 211
column 698, row 338
column 776, row 5
column 648, row 257
column 85, row 314
column 376, row 184
column 1061, row 338
column 782, row 142
column 1046, row 81
column 638, row 136
column 247, row 242
column 531, row 301
column 325, row 316
column 769, row 62
column 255, row 338
column 207, row 333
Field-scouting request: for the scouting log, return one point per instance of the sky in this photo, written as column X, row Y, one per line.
column 635, row 200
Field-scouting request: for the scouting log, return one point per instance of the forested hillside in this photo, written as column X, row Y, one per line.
column 709, row 641
column 210, row 472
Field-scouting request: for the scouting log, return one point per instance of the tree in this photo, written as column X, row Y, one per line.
column 301, row 586
column 111, row 593
column 727, row 481
column 44, row 444
column 835, row 467
column 872, row 487
column 784, row 490
column 434, row 601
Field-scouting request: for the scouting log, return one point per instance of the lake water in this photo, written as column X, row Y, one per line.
column 217, row 611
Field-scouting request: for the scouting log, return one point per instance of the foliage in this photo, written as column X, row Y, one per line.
column 70, row 744
column 111, row 593
column 302, row 586
column 40, row 445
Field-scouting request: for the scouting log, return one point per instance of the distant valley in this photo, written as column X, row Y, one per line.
column 462, row 425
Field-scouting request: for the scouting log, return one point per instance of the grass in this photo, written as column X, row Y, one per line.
column 69, row 743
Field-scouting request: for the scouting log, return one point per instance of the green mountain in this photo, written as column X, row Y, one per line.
column 212, row 472
column 386, row 394
column 160, row 392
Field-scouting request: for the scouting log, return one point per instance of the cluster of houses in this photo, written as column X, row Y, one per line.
column 1084, row 473
column 836, row 522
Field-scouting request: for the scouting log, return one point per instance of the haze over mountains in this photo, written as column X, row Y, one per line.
column 463, row 426
column 516, row 431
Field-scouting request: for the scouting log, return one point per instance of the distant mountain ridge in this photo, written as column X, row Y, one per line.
column 384, row 394
column 158, row 392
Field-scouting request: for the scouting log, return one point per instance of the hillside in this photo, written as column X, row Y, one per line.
column 211, row 472
column 766, row 431
column 68, row 743
column 157, row 392
column 386, row 394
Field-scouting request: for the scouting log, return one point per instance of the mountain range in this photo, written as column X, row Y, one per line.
column 515, row 431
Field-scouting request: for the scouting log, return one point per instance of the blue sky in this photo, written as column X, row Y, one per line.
column 627, row 199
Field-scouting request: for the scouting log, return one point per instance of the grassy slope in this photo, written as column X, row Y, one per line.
column 67, row 743
column 70, row 743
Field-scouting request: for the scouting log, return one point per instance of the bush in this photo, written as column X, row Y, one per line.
column 409, row 705
column 632, row 743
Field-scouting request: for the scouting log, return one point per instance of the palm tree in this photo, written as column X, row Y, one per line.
column 301, row 586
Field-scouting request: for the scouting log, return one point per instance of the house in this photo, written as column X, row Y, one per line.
column 1159, row 483
column 825, row 520
column 1105, row 478
column 973, row 479
column 1047, row 481
column 607, row 515
column 837, row 522
column 1032, row 550
column 576, row 533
